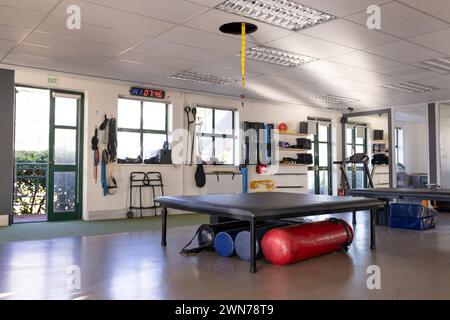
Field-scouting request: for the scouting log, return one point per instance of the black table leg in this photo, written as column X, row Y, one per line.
column 252, row 247
column 373, row 215
column 354, row 218
column 164, row 226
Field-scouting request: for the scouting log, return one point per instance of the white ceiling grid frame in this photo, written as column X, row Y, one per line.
column 162, row 10
column 338, row 31
column 375, row 67
column 114, row 19
column 402, row 21
column 40, row 6
column 4, row 10
column 163, row 48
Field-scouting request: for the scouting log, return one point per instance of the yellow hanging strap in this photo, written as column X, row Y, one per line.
column 243, row 49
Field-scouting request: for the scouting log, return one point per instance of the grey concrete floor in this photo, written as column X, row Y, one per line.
column 414, row 265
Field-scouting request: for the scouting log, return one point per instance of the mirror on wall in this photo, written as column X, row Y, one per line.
column 411, row 147
column 444, row 125
column 368, row 134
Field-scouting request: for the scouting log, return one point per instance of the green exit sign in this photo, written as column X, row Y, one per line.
column 53, row 81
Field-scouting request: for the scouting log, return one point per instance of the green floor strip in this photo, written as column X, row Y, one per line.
column 65, row 229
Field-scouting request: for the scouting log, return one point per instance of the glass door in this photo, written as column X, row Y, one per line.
column 319, row 175
column 356, row 142
column 65, row 156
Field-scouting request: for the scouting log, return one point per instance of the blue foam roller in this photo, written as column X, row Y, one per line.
column 242, row 241
column 224, row 242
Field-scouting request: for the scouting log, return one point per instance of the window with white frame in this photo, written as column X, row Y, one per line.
column 216, row 135
column 142, row 128
column 399, row 154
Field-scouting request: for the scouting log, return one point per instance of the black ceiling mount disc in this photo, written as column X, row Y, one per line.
column 236, row 28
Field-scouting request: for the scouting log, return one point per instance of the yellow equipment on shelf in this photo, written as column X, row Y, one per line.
column 267, row 185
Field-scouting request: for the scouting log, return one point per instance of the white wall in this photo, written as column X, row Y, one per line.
column 101, row 97
column 415, row 146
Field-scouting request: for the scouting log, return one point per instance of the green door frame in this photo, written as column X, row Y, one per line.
column 77, row 167
column 317, row 168
column 354, row 168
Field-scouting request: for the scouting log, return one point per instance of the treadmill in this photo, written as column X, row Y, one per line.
column 357, row 158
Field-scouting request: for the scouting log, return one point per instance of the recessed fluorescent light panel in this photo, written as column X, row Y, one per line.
column 336, row 99
column 202, row 78
column 277, row 56
column 288, row 14
column 439, row 65
column 410, row 87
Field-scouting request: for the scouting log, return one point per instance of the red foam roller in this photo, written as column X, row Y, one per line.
column 296, row 243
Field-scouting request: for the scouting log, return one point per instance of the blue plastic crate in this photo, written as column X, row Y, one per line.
column 412, row 216
column 412, row 223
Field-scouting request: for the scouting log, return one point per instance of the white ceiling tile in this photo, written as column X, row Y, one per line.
column 402, row 21
column 213, row 19
column 435, row 40
column 439, row 95
column 207, row 3
column 349, row 34
column 133, row 24
column 413, row 98
column 67, row 56
column 36, row 5
column 12, row 33
column 364, row 60
column 176, row 11
column 74, row 45
column 130, row 66
column 408, row 72
column 19, row 17
column 220, row 70
column 5, row 45
column 341, row 7
column 203, row 40
column 149, row 59
column 287, row 82
column 328, row 80
column 251, row 65
column 159, row 47
column 403, row 51
column 441, row 82
column 373, row 78
column 304, row 76
column 331, row 68
column 437, row 8
column 310, row 46
column 89, row 32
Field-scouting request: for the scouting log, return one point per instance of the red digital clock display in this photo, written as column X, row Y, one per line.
column 148, row 93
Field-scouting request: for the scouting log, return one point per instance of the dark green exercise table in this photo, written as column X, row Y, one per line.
column 256, row 207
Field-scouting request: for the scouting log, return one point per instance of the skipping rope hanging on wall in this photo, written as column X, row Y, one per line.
column 108, row 156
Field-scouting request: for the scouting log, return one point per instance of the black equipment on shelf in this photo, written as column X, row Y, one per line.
column 137, row 160
column 144, row 180
column 303, row 143
column 252, row 140
column 303, row 128
column 378, row 134
column 305, row 158
column 380, row 159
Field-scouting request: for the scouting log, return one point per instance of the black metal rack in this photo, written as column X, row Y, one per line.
column 140, row 180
